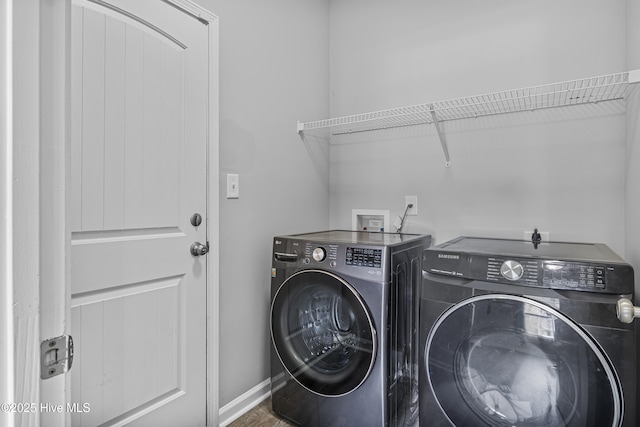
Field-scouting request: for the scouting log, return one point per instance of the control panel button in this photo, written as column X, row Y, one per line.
column 511, row 270
column 319, row 254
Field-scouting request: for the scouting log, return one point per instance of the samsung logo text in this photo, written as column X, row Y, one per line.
column 448, row 256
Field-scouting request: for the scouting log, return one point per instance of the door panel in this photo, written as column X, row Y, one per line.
column 139, row 367
column 138, row 153
column 131, row 151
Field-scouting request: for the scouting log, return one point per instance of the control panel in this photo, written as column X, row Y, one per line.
column 320, row 254
column 574, row 275
column 519, row 271
column 547, row 274
column 363, row 257
column 349, row 254
column 589, row 267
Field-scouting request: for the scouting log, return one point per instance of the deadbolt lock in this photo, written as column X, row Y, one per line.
column 196, row 219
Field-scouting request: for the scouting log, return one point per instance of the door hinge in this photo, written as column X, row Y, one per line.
column 56, row 356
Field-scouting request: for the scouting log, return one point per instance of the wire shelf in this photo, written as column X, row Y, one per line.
column 588, row 90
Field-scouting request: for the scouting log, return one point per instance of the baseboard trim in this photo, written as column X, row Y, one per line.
column 244, row 403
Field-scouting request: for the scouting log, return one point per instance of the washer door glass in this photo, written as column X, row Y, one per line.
column 503, row 360
column 323, row 333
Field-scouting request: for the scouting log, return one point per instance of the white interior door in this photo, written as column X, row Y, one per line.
column 139, row 99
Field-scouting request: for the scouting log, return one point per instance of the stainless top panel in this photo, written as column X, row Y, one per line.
column 566, row 251
column 356, row 237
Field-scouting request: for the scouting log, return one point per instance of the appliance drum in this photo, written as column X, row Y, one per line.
column 516, row 361
column 323, row 333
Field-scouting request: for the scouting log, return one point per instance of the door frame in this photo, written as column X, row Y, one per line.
column 34, row 192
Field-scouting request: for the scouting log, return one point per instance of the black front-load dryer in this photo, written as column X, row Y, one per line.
column 518, row 334
column 344, row 310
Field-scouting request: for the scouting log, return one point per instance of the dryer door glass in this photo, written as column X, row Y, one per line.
column 503, row 360
column 323, row 333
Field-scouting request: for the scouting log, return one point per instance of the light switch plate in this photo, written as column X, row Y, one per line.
column 233, row 186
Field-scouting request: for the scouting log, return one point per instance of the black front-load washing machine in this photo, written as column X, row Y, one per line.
column 344, row 310
column 520, row 334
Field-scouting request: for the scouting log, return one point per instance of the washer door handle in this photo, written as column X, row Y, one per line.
column 626, row 311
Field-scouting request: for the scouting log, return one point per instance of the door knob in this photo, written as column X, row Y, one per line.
column 626, row 311
column 198, row 249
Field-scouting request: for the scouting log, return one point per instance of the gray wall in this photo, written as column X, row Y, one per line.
column 632, row 212
column 273, row 71
column 559, row 170
column 633, row 145
column 281, row 61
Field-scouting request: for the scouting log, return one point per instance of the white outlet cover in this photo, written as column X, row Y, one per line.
column 411, row 200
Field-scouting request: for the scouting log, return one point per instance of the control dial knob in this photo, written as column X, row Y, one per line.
column 319, row 254
column 511, row 270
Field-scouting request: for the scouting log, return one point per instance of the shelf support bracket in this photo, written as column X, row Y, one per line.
column 300, row 129
column 443, row 140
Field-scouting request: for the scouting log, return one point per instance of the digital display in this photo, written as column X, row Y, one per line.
column 569, row 275
column 364, row 257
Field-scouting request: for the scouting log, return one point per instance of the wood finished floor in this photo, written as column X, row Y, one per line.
column 260, row 416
